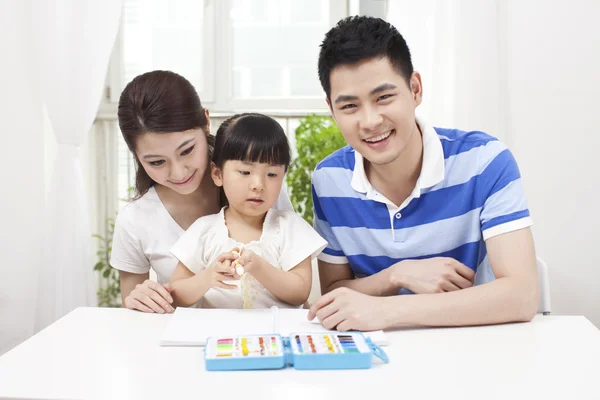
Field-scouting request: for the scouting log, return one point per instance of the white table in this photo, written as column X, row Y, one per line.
column 114, row 353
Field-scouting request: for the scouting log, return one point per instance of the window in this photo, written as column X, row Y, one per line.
column 175, row 35
column 274, row 47
column 239, row 54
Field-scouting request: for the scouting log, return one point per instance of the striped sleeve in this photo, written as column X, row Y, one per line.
column 505, row 206
column 333, row 252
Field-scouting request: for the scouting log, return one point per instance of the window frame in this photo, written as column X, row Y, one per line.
column 217, row 93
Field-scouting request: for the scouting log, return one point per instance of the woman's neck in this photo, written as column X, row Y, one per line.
column 203, row 201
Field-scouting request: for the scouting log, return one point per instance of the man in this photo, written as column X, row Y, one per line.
column 409, row 208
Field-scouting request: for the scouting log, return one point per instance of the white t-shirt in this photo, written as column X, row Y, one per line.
column 286, row 241
column 145, row 232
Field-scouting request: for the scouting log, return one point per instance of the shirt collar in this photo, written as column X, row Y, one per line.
column 432, row 170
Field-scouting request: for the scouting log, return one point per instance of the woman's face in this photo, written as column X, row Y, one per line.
column 177, row 160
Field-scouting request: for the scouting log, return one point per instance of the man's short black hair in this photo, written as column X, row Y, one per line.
column 359, row 38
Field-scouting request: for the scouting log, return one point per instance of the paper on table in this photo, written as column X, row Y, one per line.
column 193, row 326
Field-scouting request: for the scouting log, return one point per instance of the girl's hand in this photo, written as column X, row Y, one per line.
column 150, row 297
column 222, row 270
column 249, row 260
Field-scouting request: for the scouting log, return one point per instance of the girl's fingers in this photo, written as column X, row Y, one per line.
column 225, row 267
column 223, row 285
column 226, row 256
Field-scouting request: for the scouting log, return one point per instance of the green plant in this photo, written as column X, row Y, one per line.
column 110, row 294
column 316, row 138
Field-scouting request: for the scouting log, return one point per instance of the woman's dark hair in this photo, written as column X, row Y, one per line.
column 158, row 102
column 251, row 137
column 359, row 38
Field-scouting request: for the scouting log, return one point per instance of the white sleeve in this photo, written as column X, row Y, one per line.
column 189, row 248
column 127, row 252
column 298, row 240
column 283, row 202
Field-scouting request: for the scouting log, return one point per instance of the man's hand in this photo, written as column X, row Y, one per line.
column 433, row 275
column 344, row 309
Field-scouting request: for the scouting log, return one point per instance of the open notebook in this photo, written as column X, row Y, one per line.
column 192, row 326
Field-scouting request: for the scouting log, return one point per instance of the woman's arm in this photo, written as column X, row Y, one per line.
column 291, row 286
column 129, row 281
column 140, row 293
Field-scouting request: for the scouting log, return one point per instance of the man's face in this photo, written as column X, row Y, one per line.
column 375, row 108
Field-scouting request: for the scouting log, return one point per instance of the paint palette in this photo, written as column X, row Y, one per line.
column 328, row 344
column 329, row 350
column 251, row 346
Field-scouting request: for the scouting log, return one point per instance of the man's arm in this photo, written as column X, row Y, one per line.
column 511, row 297
column 435, row 275
column 333, row 276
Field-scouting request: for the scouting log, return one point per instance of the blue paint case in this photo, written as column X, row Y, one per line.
column 304, row 351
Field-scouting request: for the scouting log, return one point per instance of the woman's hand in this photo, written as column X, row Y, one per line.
column 150, row 297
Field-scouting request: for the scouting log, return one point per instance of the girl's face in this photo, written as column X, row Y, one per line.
column 177, row 160
column 251, row 187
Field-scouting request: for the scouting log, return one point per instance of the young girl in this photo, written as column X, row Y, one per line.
column 250, row 158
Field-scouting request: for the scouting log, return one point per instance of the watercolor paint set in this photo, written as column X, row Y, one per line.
column 329, row 350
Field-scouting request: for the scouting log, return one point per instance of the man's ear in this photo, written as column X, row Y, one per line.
column 216, row 174
column 416, row 87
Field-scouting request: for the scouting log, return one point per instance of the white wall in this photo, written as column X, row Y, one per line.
column 553, row 67
column 21, row 175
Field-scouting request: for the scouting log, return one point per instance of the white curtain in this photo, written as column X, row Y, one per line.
column 22, row 175
column 74, row 41
column 459, row 47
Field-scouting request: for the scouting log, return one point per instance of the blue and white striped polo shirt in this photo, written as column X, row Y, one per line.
column 469, row 190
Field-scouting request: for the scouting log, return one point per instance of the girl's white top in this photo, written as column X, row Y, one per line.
column 145, row 232
column 286, row 241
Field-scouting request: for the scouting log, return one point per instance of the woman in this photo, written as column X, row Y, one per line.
column 168, row 131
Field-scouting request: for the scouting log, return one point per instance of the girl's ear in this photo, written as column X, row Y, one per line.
column 216, row 174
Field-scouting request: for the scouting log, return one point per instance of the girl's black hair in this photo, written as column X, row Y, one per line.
column 251, row 137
